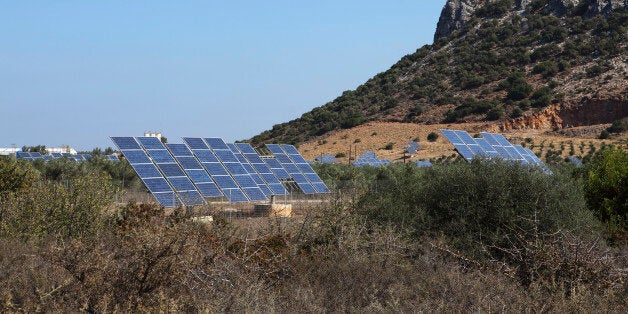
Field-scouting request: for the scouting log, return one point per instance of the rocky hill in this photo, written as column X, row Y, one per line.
column 516, row 64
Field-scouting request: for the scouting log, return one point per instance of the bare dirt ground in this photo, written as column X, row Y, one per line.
column 375, row 136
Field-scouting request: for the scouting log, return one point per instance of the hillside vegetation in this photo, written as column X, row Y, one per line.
column 503, row 64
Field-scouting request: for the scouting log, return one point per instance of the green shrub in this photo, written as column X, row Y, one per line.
column 16, row 175
column 389, row 146
column 478, row 206
column 432, row 137
column 546, row 69
column 606, row 188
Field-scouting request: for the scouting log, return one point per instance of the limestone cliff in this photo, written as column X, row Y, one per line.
column 456, row 13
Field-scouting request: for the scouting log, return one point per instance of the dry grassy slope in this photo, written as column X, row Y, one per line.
column 375, row 136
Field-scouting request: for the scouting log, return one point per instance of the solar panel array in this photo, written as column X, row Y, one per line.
column 423, row 163
column 327, row 159
column 412, row 148
column 370, row 159
column 185, row 174
column 51, row 156
column 491, row 145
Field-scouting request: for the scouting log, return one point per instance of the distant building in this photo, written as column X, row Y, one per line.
column 153, row 134
column 9, row 151
column 6, row 151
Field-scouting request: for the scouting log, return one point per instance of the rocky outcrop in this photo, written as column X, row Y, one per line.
column 457, row 13
column 560, row 116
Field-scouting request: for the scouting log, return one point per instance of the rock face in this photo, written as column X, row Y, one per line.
column 457, row 13
column 605, row 7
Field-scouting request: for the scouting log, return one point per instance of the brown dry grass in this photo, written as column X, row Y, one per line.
column 374, row 136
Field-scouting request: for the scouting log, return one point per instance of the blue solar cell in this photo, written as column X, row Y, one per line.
column 291, row 168
column 290, row 149
column 411, row 151
column 225, row 182
column 512, row 151
column 156, row 185
column 257, row 178
column 146, row 171
column 423, row 163
column 236, row 196
column 136, row 156
column 150, row 142
column 167, row 199
column 179, row 150
column 244, row 180
column 501, row 140
column 189, row 163
column 255, row 194
column 181, row 184
column 216, row 143
column 22, row 154
column 305, row 168
column 477, row 150
column 191, row 198
column 125, row 143
column 464, row 151
column 171, row 170
column 522, row 151
column 274, row 148
column 298, row 159
column 59, row 155
column 307, row 188
column 273, row 163
column 195, row 143
column 266, row 190
column 209, row 189
column 283, row 159
column 262, row 168
column 270, row 178
column 215, row 169
column 313, row 177
column 490, row 139
column 235, row 168
column 198, row 176
column 205, row 155
column 299, row 178
column 254, row 158
column 225, row 156
column 278, row 189
column 320, row 187
column 466, row 138
column 246, row 148
column 281, row 173
column 452, row 137
column 249, row 168
column 160, row 155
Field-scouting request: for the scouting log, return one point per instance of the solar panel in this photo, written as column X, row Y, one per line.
column 303, row 168
column 288, row 164
column 369, row 158
column 235, row 169
column 171, row 170
column 255, row 166
column 147, row 171
column 327, row 159
column 194, row 170
column 492, row 146
column 423, row 163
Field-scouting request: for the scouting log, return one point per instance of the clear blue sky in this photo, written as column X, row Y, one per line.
column 77, row 72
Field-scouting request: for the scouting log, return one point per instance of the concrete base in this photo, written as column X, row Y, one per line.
column 274, row 210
